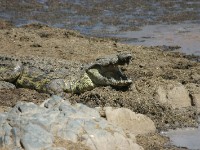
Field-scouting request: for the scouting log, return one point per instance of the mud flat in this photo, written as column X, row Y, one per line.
column 166, row 85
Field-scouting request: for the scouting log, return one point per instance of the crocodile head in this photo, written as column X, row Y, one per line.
column 106, row 71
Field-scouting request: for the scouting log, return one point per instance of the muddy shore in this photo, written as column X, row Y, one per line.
column 150, row 68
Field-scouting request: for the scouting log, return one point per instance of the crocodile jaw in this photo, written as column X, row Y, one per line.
column 105, row 71
column 108, row 76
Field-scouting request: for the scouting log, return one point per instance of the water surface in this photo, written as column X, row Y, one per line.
column 188, row 137
column 161, row 22
column 186, row 35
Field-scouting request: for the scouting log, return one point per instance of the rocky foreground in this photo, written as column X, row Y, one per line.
column 30, row 126
column 165, row 94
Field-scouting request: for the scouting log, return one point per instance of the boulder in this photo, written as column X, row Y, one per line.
column 194, row 90
column 130, row 121
column 101, row 140
column 35, row 127
column 174, row 94
column 35, row 137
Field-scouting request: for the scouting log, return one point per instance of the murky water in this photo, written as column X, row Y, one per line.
column 189, row 138
column 117, row 12
column 118, row 18
column 185, row 35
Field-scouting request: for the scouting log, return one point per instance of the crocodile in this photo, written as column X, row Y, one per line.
column 56, row 76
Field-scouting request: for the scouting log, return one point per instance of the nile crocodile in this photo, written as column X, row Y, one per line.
column 56, row 76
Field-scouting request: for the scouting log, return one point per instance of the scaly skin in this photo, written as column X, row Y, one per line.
column 52, row 77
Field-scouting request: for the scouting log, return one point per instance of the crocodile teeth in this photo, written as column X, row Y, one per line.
column 114, row 82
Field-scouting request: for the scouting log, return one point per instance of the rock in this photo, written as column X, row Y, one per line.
column 4, row 109
column 101, row 111
column 56, row 148
column 36, row 137
column 196, row 99
column 7, row 133
column 36, row 127
column 194, row 91
column 196, row 77
column 52, row 101
column 174, row 94
column 130, row 121
column 102, row 140
column 6, row 85
column 24, row 108
column 84, row 111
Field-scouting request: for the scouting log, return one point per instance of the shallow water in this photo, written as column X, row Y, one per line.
column 189, row 137
column 185, row 35
column 116, row 18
